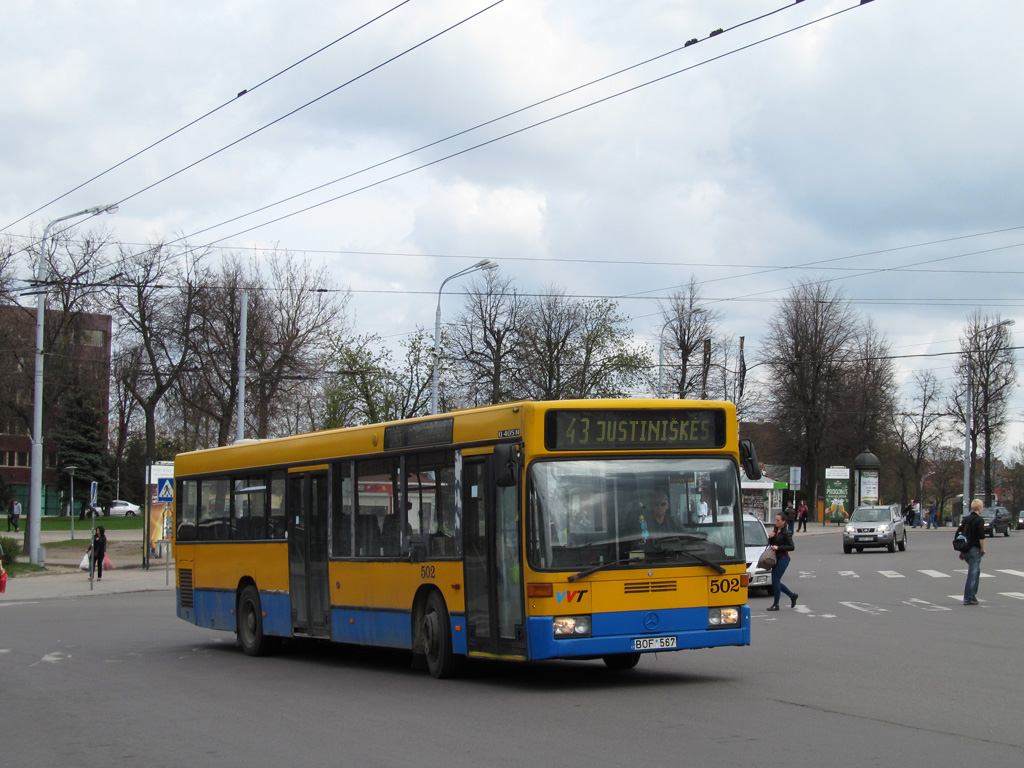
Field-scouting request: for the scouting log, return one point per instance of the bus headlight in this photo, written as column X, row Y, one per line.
column 571, row 626
column 724, row 617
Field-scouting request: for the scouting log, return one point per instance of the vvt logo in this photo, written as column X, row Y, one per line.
column 571, row 596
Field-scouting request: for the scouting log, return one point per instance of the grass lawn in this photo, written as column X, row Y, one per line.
column 83, row 528
column 55, row 523
column 21, row 568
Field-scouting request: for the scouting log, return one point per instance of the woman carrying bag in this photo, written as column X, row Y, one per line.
column 781, row 542
column 99, row 552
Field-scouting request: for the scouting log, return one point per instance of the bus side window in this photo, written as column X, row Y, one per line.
column 215, row 509
column 341, row 514
column 276, row 524
column 187, row 512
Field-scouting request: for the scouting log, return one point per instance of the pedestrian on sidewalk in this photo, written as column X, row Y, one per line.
column 98, row 548
column 13, row 515
column 973, row 527
column 781, row 541
column 801, row 517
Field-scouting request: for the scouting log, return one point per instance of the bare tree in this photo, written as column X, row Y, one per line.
column 368, row 387
column 987, row 361
column 948, row 468
column 293, row 316
column 124, row 409
column 919, row 430
column 687, row 326
column 809, row 346
column 8, row 272
column 867, row 395
column 576, row 349
column 210, row 393
column 1013, row 479
column 482, row 343
column 155, row 306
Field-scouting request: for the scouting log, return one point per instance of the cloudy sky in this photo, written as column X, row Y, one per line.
column 874, row 145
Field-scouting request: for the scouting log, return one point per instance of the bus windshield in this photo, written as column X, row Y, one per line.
column 639, row 511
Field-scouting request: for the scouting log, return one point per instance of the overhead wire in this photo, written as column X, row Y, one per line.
column 860, row 271
column 533, row 125
column 194, row 121
column 307, row 104
column 491, row 121
column 393, row 58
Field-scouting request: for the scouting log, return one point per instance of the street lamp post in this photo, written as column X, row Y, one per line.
column 969, row 416
column 485, row 264
column 35, row 498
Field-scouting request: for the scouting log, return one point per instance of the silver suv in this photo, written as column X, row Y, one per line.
column 880, row 526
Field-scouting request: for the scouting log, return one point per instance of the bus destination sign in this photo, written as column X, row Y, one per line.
column 634, row 429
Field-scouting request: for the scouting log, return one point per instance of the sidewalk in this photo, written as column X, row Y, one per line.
column 63, row 578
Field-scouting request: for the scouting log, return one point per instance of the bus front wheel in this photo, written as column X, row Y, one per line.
column 250, row 623
column 437, row 638
column 621, row 660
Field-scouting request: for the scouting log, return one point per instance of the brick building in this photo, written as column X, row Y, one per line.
column 77, row 360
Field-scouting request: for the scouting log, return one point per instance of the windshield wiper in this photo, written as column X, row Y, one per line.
column 600, row 567
column 659, row 542
column 657, row 549
column 699, row 559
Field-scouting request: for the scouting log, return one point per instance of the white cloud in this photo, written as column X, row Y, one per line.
column 890, row 125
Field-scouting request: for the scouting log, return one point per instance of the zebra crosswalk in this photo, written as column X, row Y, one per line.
column 1006, row 585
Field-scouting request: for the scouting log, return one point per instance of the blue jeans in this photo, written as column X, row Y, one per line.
column 777, row 586
column 973, row 559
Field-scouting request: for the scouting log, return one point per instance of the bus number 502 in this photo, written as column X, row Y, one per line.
column 725, row 585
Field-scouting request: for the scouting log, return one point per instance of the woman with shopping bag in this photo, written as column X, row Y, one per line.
column 98, row 549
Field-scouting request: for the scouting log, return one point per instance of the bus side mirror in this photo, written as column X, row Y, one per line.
column 748, row 458
column 506, row 465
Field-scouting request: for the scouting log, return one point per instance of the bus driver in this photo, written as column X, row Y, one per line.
column 654, row 519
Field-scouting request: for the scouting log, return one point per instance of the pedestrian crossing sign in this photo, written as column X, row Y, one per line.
column 165, row 489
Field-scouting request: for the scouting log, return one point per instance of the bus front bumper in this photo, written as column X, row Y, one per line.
column 637, row 631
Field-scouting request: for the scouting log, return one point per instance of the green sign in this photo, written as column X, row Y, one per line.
column 837, row 492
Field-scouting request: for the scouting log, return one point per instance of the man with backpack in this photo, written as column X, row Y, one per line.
column 973, row 528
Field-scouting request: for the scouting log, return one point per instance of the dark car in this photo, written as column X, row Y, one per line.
column 1020, row 520
column 997, row 520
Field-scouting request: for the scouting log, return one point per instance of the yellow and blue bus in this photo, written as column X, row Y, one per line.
column 577, row 529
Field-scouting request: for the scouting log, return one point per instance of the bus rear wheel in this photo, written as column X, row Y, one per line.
column 621, row 660
column 437, row 638
column 249, row 627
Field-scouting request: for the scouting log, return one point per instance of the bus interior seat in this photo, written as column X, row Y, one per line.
column 391, row 535
column 367, row 536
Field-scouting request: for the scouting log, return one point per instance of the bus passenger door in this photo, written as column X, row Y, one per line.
column 307, row 553
column 493, row 572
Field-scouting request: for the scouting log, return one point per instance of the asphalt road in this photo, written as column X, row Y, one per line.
column 879, row 664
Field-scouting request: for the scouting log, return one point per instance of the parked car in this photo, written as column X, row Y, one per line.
column 997, row 519
column 120, row 507
column 1020, row 520
column 755, row 541
column 875, row 526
